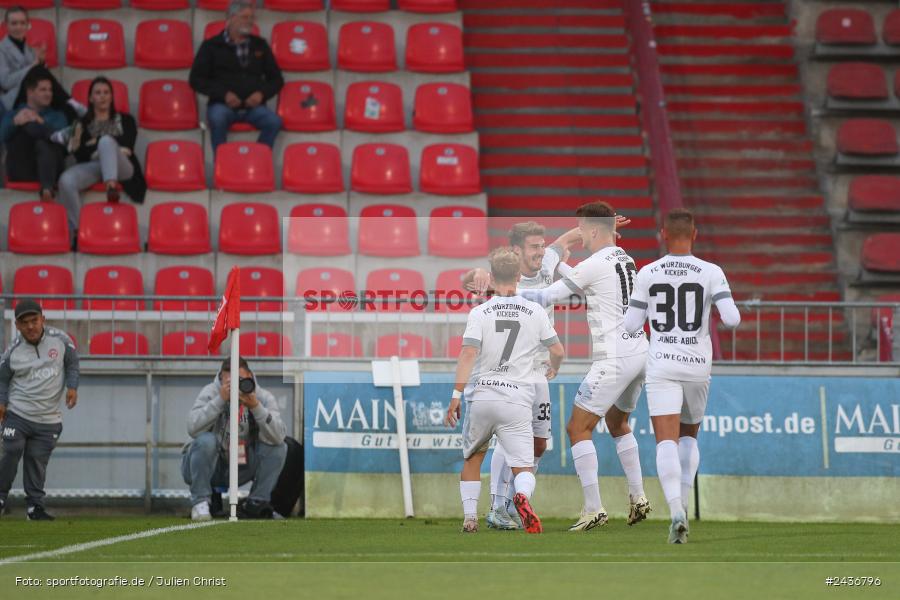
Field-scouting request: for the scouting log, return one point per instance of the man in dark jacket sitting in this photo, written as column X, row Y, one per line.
column 238, row 73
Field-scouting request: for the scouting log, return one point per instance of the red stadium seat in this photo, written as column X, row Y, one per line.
column 361, row 5
column 301, row 46
column 429, row 6
column 312, row 168
column 159, row 4
column 244, row 167
column 113, row 281
column 119, row 343
column 95, row 44
column 890, row 31
column 214, row 28
column 294, row 5
column 875, row 193
column 392, row 290
column 857, row 81
column 106, row 228
column 388, row 230
column 250, row 228
column 458, row 232
column 307, row 106
column 879, row 253
column 261, row 282
column 322, row 284
column 163, row 44
column 319, row 230
column 374, row 107
column 404, row 345
column 450, row 294
column 845, row 26
column 41, row 33
column 30, row 4
column 434, row 48
column 186, row 343
column 367, row 46
column 443, row 108
column 184, row 281
column 41, row 280
column 380, row 169
column 867, row 137
column 179, row 228
column 168, row 105
column 120, row 93
column 175, row 166
column 335, row 345
column 38, row 228
column 449, row 170
column 217, row 5
column 265, row 343
column 92, row 4
column 454, row 346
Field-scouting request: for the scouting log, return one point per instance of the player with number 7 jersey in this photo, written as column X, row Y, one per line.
column 676, row 293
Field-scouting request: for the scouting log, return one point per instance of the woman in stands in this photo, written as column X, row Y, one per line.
column 102, row 143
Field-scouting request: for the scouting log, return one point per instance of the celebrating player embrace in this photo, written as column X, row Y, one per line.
column 496, row 369
column 677, row 292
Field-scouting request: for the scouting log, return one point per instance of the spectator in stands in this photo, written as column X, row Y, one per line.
column 238, row 73
column 37, row 371
column 261, row 450
column 102, row 143
column 26, row 131
column 18, row 59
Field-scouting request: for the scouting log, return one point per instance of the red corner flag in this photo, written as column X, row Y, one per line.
column 229, row 315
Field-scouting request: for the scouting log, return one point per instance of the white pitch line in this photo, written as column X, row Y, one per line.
column 104, row 542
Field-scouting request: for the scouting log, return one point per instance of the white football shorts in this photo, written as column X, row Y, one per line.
column 687, row 398
column 511, row 423
column 612, row 381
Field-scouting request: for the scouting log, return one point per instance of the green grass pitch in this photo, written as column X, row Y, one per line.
column 424, row 558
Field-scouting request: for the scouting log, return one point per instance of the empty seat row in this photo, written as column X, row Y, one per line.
column 856, row 27
column 860, row 81
column 308, row 106
column 872, row 138
column 321, row 289
column 418, row 6
column 247, row 228
column 875, row 195
column 297, row 45
column 881, row 254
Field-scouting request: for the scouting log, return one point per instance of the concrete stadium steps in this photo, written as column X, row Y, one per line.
column 556, row 111
column 745, row 155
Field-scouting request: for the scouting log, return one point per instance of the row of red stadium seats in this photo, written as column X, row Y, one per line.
column 418, row 6
column 309, row 106
column 298, row 45
column 249, row 229
column 856, row 27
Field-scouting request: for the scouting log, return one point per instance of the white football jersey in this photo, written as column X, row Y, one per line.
column 541, row 280
column 678, row 291
column 509, row 330
column 605, row 280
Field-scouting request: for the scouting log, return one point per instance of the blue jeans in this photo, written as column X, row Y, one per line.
column 220, row 118
column 202, row 469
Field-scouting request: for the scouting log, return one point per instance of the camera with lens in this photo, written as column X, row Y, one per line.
column 246, row 385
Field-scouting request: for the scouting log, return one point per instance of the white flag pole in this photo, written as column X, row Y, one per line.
column 400, row 413
column 233, row 425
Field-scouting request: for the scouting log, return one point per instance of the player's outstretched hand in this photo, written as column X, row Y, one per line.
column 551, row 373
column 621, row 222
column 453, row 413
column 71, row 398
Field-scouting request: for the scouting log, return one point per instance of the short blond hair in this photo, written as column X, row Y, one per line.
column 504, row 265
column 520, row 231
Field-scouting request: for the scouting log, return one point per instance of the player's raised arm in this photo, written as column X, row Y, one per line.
column 721, row 296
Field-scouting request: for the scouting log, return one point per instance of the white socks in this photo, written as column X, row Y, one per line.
column 469, row 491
column 689, row 456
column 627, row 449
column 525, row 483
column 500, row 476
column 668, row 467
column 584, row 455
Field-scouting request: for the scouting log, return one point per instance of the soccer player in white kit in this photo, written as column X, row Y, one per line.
column 496, row 371
column 677, row 292
column 612, row 386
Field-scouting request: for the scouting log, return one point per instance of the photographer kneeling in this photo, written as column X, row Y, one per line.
column 261, row 445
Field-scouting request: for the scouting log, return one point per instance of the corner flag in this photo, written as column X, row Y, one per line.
column 229, row 315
